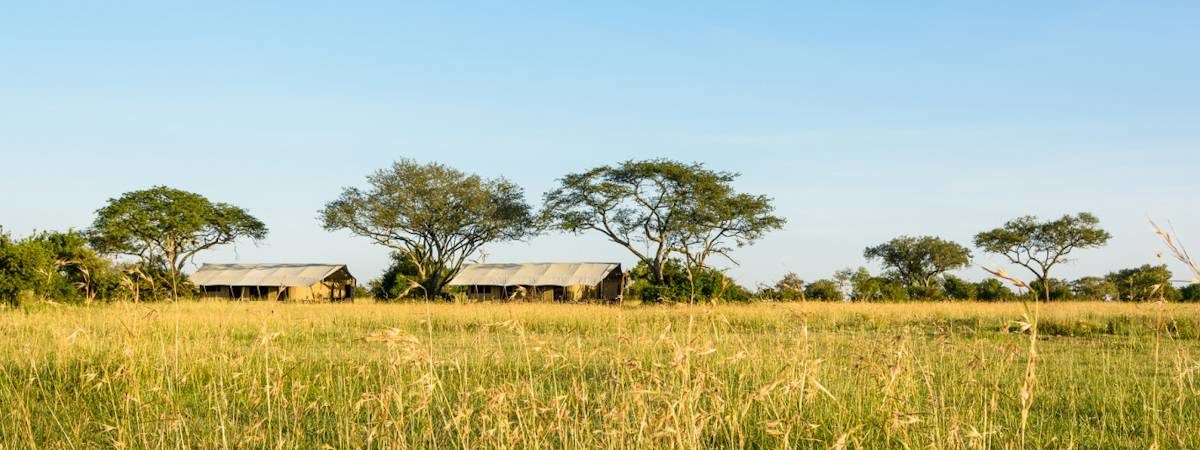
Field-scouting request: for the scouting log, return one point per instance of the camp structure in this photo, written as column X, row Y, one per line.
column 275, row 281
column 542, row 281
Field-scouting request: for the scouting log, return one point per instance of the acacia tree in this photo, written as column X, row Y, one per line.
column 719, row 220
column 919, row 261
column 1039, row 246
column 433, row 215
column 659, row 208
column 166, row 227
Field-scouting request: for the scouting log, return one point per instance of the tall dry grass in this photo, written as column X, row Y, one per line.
column 809, row 375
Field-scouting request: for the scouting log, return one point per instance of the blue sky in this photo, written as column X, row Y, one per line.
column 863, row 121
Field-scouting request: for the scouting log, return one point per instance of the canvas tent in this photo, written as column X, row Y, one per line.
column 275, row 281
column 542, row 281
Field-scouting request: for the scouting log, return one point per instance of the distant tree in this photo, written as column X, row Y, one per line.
column 992, row 290
column 1094, row 288
column 1190, row 293
column 958, row 289
column 1039, row 246
column 864, row 287
column 168, row 227
column 434, row 215
column 1144, row 283
column 826, row 290
column 845, row 281
column 659, row 208
column 869, row 288
column 788, row 288
column 919, row 261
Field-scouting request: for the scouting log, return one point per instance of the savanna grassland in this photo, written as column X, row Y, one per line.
column 800, row 375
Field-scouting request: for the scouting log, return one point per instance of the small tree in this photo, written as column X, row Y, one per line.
column 788, row 288
column 826, row 290
column 434, row 215
column 1039, row 246
column 919, row 261
column 167, row 227
column 958, row 289
column 1094, row 288
column 991, row 290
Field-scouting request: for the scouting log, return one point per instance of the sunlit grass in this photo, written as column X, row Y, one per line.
column 942, row 375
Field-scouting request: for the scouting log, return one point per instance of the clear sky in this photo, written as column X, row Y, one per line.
column 863, row 121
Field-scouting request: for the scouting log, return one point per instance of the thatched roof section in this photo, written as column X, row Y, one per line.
column 537, row 274
column 265, row 274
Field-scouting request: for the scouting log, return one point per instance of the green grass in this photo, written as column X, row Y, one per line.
column 217, row 375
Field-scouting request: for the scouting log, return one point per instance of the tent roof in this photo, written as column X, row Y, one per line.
column 535, row 274
column 264, row 274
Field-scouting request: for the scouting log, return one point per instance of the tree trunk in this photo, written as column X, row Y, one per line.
column 1046, row 285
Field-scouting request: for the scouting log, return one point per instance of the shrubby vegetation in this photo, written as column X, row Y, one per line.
column 676, row 284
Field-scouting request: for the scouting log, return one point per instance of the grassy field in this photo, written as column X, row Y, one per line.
column 218, row 375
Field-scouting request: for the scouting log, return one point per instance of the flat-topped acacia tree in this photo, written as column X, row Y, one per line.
column 659, row 208
column 433, row 215
column 166, row 227
column 1038, row 246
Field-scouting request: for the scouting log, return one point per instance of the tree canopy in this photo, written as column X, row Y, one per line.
column 1038, row 246
column 434, row 215
column 1147, row 282
column 660, row 208
column 919, row 261
column 166, row 227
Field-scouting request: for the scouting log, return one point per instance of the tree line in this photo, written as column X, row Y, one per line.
column 677, row 219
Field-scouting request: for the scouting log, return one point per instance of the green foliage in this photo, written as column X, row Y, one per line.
column 824, row 290
column 1094, row 288
column 661, row 209
column 1144, row 283
column 868, row 288
column 992, row 290
column 401, row 280
column 165, row 227
column 1039, row 246
column 710, row 284
column 789, row 288
column 958, row 289
column 919, row 261
column 432, row 214
column 21, row 264
column 1059, row 289
column 1190, row 293
column 56, row 266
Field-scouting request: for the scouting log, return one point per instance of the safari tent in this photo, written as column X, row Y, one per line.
column 542, row 281
column 275, row 281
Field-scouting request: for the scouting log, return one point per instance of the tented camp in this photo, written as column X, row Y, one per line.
column 542, row 281
column 275, row 281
